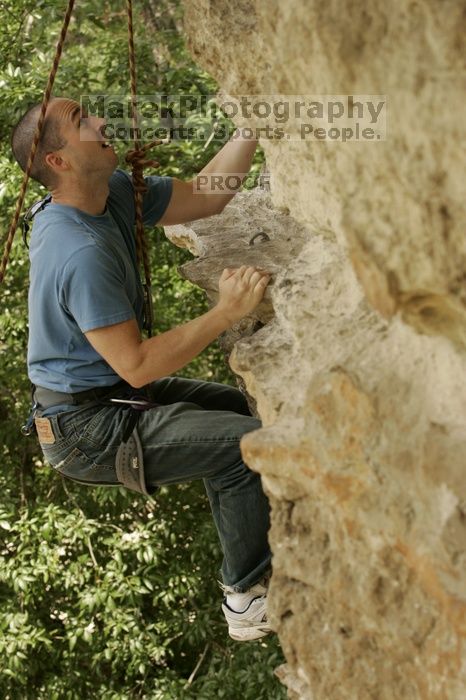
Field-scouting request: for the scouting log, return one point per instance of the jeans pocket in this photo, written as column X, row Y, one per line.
column 79, row 467
column 56, row 451
column 78, row 421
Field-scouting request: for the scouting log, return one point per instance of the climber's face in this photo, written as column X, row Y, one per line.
column 86, row 152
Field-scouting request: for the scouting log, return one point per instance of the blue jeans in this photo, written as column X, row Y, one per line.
column 193, row 434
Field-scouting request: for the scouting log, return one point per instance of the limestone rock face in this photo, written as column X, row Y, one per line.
column 357, row 356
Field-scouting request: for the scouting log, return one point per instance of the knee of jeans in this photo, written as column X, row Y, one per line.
column 251, row 424
column 237, row 476
column 240, row 402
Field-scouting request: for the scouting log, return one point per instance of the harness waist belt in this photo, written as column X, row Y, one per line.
column 47, row 397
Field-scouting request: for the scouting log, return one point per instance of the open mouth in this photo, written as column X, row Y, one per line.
column 106, row 145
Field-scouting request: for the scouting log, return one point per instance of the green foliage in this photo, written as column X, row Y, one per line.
column 120, row 597
column 104, row 594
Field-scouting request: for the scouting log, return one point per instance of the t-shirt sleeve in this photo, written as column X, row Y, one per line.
column 156, row 199
column 92, row 289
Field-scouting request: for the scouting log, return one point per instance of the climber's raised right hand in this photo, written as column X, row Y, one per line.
column 241, row 290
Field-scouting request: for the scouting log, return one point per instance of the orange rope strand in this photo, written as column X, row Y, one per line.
column 136, row 157
column 40, row 123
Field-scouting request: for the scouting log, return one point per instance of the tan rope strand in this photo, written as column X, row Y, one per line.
column 40, row 123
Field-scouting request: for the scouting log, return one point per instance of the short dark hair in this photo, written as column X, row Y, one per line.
column 50, row 140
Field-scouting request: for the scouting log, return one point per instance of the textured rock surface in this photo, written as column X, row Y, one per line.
column 248, row 232
column 359, row 372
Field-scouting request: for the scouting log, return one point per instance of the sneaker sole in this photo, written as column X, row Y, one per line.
column 247, row 635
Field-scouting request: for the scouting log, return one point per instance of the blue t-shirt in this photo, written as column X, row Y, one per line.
column 83, row 276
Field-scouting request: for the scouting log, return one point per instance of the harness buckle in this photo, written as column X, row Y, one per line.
column 29, row 427
column 30, row 214
column 137, row 403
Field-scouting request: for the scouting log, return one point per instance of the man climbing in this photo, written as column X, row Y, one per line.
column 95, row 377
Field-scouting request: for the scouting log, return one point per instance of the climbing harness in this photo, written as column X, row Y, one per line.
column 129, row 464
column 129, row 460
column 29, row 427
column 30, row 214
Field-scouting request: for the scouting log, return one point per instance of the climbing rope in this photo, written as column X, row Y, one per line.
column 137, row 161
column 136, row 158
column 40, row 123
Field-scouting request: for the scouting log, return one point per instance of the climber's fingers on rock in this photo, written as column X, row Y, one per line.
column 249, row 273
column 242, row 271
column 261, row 284
column 228, row 272
column 255, row 277
column 238, row 275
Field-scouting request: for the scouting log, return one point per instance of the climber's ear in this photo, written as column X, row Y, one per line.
column 57, row 162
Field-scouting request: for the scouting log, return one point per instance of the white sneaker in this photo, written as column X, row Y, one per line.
column 252, row 622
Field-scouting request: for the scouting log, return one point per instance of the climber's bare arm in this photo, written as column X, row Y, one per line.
column 187, row 204
column 141, row 361
column 214, row 186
